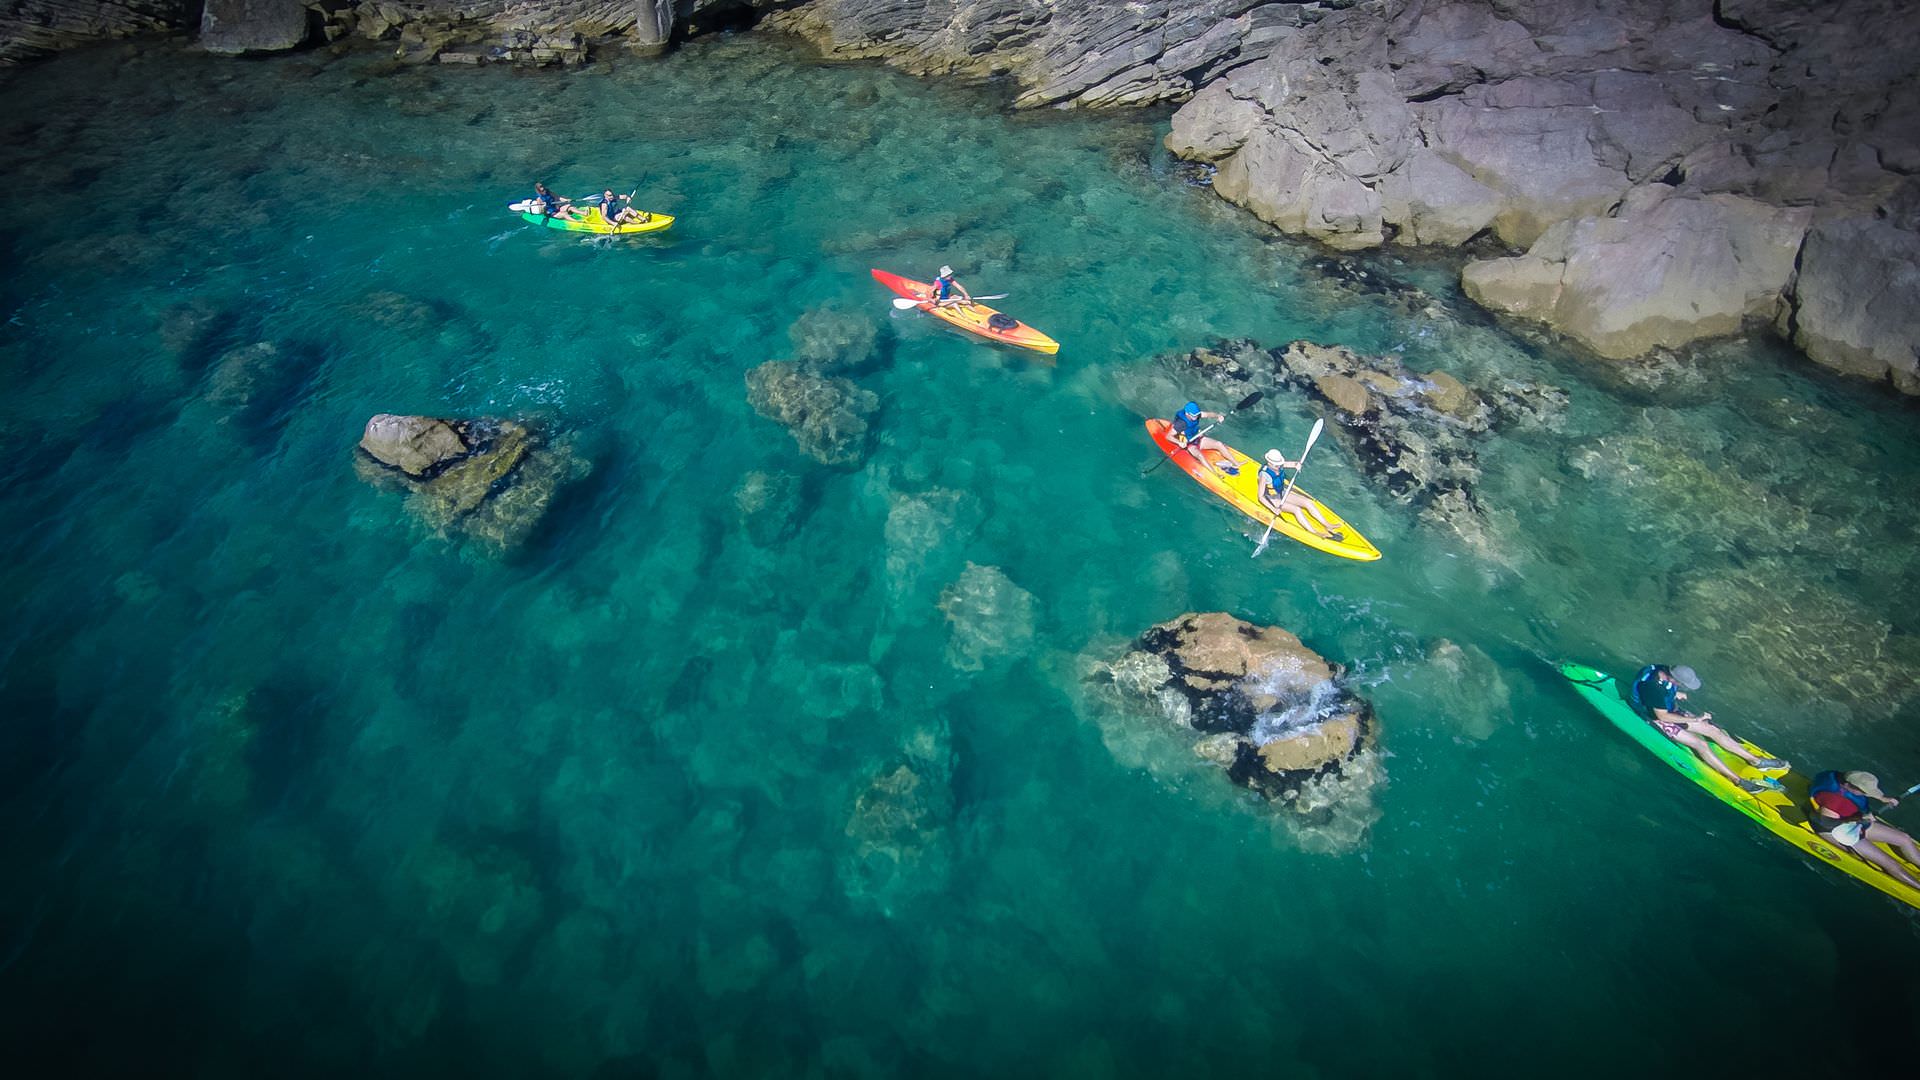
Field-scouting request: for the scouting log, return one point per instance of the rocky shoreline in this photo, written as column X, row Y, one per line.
column 1661, row 172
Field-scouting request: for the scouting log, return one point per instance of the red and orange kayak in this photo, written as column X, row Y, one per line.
column 973, row 318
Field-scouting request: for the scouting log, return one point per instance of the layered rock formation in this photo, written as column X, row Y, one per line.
column 1661, row 161
column 488, row 479
column 35, row 28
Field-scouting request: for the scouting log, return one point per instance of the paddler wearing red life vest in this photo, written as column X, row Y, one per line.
column 1843, row 815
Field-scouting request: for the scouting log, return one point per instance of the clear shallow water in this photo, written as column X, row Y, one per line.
column 294, row 786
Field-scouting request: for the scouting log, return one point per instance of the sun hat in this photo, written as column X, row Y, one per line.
column 1191, row 408
column 1868, row 784
column 946, row 271
column 1276, row 459
column 1685, row 677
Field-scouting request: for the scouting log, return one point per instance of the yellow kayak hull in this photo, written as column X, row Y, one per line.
column 1242, row 492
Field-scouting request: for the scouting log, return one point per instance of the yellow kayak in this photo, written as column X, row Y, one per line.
column 1242, row 492
column 1782, row 813
column 591, row 221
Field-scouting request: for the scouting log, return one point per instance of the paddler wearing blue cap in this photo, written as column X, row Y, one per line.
column 1185, row 430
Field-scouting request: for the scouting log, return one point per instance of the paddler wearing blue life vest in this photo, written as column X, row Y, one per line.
column 1273, row 481
column 944, row 287
column 624, row 213
column 547, row 204
column 1184, row 430
column 1842, row 815
column 1656, row 695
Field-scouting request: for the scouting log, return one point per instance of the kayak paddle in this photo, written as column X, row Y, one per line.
column 1312, row 437
column 1245, row 402
column 904, row 303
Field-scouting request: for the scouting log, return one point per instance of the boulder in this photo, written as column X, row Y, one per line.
column 1662, row 272
column 827, row 415
column 1856, row 304
column 416, row 445
column 236, row 27
column 1269, row 710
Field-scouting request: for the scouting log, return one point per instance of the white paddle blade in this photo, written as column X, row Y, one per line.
column 903, row 304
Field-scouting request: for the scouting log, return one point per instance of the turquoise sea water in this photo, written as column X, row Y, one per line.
column 293, row 785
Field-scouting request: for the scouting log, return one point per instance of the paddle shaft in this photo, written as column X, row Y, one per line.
column 1301, row 463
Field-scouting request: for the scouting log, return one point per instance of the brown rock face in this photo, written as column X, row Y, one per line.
column 1272, row 711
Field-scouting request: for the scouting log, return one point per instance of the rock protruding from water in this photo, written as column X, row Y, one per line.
column 1271, row 711
column 237, row 27
column 489, row 479
column 827, row 415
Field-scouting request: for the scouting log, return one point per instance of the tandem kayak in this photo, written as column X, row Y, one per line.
column 591, row 221
column 1782, row 813
column 1242, row 492
column 973, row 318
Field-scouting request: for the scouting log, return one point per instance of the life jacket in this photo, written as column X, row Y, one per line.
column 1185, row 426
column 942, row 288
column 1276, row 477
column 1648, row 677
column 1827, row 794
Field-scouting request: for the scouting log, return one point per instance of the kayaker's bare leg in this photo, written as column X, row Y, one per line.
column 1297, row 504
column 1719, row 736
column 1704, row 752
column 1887, row 834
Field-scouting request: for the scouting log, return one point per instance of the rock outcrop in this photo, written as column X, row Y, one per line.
column 30, row 29
column 489, row 479
column 1661, row 160
column 237, row 27
column 1091, row 54
column 990, row 618
column 1269, row 710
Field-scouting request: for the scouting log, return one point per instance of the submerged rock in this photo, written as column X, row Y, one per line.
column 1273, row 712
column 830, row 341
column 1819, row 650
column 990, row 617
column 489, row 479
column 898, row 828
column 771, row 506
column 827, row 415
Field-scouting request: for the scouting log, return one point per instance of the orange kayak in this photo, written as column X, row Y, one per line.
column 973, row 318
